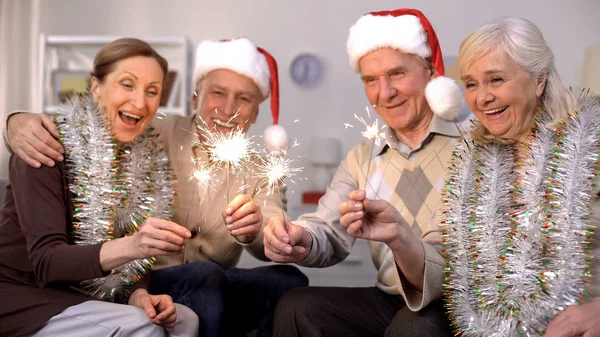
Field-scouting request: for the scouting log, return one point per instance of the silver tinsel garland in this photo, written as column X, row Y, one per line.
column 115, row 188
column 516, row 224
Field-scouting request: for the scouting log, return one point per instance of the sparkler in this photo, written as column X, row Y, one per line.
column 202, row 174
column 277, row 166
column 230, row 151
column 274, row 169
column 373, row 133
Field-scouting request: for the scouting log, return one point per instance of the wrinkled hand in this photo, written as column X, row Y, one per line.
column 285, row 242
column 158, row 237
column 243, row 218
column 32, row 138
column 375, row 220
column 581, row 320
column 159, row 308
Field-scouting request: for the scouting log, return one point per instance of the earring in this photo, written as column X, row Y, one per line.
column 195, row 93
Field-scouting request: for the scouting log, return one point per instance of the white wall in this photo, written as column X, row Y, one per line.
column 288, row 27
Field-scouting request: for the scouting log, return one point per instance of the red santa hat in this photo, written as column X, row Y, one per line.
column 245, row 58
column 409, row 31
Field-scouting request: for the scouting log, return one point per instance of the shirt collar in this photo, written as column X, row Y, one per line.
column 437, row 125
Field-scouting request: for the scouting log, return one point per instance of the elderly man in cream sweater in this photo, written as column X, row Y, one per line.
column 399, row 60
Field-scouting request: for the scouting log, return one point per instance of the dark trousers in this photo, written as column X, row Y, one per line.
column 228, row 302
column 349, row 312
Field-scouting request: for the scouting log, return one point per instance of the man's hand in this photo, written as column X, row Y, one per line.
column 581, row 320
column 32, row 138
column 375, row 220
column 286, row 242
column 159, row 308
column 378, row 220
column 243, row 218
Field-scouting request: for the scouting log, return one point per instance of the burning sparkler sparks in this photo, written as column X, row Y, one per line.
column 373, row 133
column 275, row 169
column 231, row 151
column 203, row 174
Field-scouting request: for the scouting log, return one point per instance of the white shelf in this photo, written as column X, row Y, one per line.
column 162, row 109
column 63, row 55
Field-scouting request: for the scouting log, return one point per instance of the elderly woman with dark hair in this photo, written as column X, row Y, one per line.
column 519, row 198
column 80, row 236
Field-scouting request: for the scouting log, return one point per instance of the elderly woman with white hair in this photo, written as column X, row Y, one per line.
column 520, row 193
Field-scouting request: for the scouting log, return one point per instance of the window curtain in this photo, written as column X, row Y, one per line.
column 19, row 40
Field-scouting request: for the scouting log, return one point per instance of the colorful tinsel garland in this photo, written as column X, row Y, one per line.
column 516, row 224
column 115, row 188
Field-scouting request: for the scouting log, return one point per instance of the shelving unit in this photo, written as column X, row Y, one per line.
column 69, row 59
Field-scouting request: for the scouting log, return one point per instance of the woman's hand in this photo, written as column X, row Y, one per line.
column 159, row 237
column 576, row 320
column 159, row 308
column 156, row 237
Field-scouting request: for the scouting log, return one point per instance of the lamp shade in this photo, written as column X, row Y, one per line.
column 591, row 69
column 325, row 151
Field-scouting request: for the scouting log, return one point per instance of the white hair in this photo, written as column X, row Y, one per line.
column 524, row 43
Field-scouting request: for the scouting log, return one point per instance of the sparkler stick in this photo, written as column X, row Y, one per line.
column 373, row 133
column 227, row 182
column 202, row 174
column 274, row 169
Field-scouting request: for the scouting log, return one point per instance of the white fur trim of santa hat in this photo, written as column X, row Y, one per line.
column 276, row 139
column 444, row 97
column 372, row 32
column 239, row 55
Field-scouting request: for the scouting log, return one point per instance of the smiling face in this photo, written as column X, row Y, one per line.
column 502, row 95
column 129, row 95
column 395, row 84
column 227, row 101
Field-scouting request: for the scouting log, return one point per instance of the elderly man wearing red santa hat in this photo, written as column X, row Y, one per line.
column 231, row 77
column 399, row 60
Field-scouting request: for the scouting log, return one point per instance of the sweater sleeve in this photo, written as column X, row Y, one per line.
column 433, row 274
column 42, row 210
column 331, row 243
column 5, row 129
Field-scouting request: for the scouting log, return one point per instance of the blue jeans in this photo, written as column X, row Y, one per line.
column 228, row 302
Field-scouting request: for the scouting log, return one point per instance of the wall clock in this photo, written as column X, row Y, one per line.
column 306, row 70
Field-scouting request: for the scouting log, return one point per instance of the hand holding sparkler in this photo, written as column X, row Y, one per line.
column 285, row 242
column 375, row 220
column 243, row 218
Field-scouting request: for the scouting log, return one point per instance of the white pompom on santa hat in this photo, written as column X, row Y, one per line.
column 245, row 58
column 409, row 31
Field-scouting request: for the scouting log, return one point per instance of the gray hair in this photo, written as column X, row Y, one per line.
column 524, row 43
